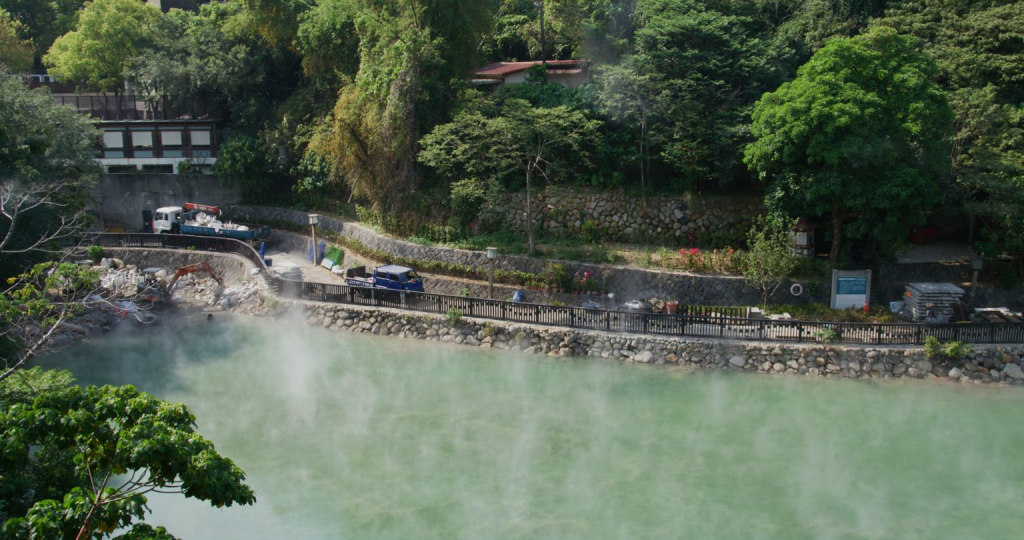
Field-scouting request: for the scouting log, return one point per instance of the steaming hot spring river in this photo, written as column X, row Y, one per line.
column 365, row 437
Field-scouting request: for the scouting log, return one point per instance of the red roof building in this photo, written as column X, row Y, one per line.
column 568, row 73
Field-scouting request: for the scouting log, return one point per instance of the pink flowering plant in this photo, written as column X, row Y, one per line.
column 718, row 261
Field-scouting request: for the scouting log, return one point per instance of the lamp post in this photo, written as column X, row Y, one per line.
column 492, row 252
column 976, row 264
column 313, row 220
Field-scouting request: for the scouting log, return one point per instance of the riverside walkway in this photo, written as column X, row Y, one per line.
column 713, row 325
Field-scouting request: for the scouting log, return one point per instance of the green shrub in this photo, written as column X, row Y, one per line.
column 557, row 276
column 489, row 330
column 454, row 315
column 956, row 350
column 827, row 335
column 952, row 350
column 95, row 253
column 591, row 230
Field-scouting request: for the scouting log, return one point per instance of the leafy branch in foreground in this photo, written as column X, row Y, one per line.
column 118, row 444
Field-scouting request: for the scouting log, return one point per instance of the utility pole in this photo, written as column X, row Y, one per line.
column 543, row 52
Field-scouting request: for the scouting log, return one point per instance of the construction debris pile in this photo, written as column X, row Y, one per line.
column 209, row 220
column 126, row 280
column 931, row 302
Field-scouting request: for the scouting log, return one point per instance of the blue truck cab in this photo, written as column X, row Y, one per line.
column 398, row 278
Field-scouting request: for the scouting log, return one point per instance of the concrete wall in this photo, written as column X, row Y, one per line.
column 121, row 198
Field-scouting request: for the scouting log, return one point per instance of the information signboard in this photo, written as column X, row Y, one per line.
column 850, row 288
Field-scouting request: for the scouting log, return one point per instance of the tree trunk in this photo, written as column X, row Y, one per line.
column 643, row 155
column 837, row 230
column 529, row 214
column 837, row 234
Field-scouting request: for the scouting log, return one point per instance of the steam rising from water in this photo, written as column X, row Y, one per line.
column 351, row 436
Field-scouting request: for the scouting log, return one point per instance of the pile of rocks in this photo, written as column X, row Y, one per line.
column 931, row 302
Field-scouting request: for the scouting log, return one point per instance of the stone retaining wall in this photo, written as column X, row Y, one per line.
column 985, row 364
column 620, row 217
column 627, row 283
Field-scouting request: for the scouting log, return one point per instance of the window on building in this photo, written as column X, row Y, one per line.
column 170, row 138
column 199, row 137
column 113, row 139
column 142, row 141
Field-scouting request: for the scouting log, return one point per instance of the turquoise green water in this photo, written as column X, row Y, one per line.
column 363, row 437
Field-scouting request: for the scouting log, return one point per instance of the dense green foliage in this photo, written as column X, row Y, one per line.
column 517, row 134
column 108, row 36
column 15, row 50
column 78, row 462
column 860, row 135
column 333, row 97
column 47, row 160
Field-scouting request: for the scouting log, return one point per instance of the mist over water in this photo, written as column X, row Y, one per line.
column 353, row 436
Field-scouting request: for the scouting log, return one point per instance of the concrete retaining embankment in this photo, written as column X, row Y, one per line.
column 627, row 283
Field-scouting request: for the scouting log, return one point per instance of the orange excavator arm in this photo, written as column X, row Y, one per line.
column 192, row 269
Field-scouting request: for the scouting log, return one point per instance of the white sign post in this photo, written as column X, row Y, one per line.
column 850, row 288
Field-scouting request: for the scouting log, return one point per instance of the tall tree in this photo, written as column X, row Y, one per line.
column 45, row 21
column 979, row 48
column 109, row 35
column 632, row 92
column 15, row 52
column 520, row 136
column 410, row 53
column 860, row 136
column 47, row 160
column 710, row 66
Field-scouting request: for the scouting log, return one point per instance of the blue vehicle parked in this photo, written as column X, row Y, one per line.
column 397, row 278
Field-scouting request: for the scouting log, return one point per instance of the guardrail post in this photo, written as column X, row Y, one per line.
column 373, row 295
column 800, row 332
column 536, row 314
column 878, row 331
column 608, row 320
column 644, row 317
column 917, row 335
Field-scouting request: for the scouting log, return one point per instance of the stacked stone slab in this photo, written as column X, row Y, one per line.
column 931, row 302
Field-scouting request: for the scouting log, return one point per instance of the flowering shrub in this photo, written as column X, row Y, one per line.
column 718, row 261
column 585, row 282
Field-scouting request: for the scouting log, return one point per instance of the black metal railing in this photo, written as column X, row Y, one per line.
column 694, row 321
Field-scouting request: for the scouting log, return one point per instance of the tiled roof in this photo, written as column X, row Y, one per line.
column 499, row 70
